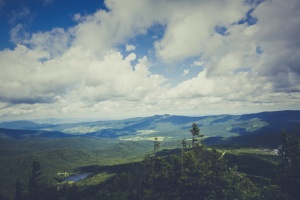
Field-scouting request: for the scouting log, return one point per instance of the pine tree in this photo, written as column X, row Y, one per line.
column 184, row 143
column 195, row 135
column 289, row 168
column 34, row 185
column 156, row 144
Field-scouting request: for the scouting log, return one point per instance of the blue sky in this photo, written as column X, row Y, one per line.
column 42, row 15
column 127, row 58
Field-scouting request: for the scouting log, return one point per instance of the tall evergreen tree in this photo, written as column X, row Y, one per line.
column 156, row 144
column 184, row 143
column 195, row 135
column 184, row 146
column 289, row 168
column 34, row 185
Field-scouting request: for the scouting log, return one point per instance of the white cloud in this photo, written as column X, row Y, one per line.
column 130, row 47
column 55, row 42
column 18, row 34
column 185, row 72
column 77, row 17
column 278, row 27
column 130, row 57
column 75, row 77
column 191, row 29
column 198, row 63
column 235, row 93
column 114, row 78
column 78, row 71
column 103, row 30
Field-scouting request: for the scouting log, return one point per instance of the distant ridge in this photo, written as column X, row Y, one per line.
column 249, row 129
column 22, row 124
column 20, row 134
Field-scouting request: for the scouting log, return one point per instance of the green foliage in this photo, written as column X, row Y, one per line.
column 253, row 164
column 156, row 144
column 199, row 174
column 273, row 192
column 184, row 143
column 195, row 135
column 288, row 171
column 120, row 172
column 61, row 155
column 34, row 184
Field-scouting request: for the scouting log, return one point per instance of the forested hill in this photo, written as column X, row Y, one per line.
column 155, row 158
column 244, row 129
column 187, row 173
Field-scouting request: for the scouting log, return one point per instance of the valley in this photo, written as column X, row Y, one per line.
column 106, row 148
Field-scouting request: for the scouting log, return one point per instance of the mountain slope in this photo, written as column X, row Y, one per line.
column 22, row 124
column 19, row 134
column 168, row 127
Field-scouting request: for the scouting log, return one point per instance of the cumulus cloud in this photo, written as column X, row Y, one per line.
column 130, row 47
column 77, row 17
column 278, row 25
column 78, row 76
column 191, row 29
column 18, row 34
column 120, row 82
column 198, row 63
column 79, row 70
column 55, row 42
column 237, row 50
column 103, row 30
column 185, row 72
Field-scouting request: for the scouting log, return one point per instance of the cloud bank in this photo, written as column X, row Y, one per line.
column 82, row 70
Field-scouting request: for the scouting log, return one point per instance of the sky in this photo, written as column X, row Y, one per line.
column 117, row 59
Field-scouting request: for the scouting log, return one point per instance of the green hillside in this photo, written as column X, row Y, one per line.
column 61, row 155
column 115, row 155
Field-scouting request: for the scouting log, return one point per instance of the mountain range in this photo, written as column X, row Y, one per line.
column 252, row 129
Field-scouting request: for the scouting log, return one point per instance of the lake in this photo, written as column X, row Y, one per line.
column 77, row 177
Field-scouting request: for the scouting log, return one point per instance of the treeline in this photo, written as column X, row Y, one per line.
column 199, row 173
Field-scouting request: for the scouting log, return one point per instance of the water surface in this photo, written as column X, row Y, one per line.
column 77, row 177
